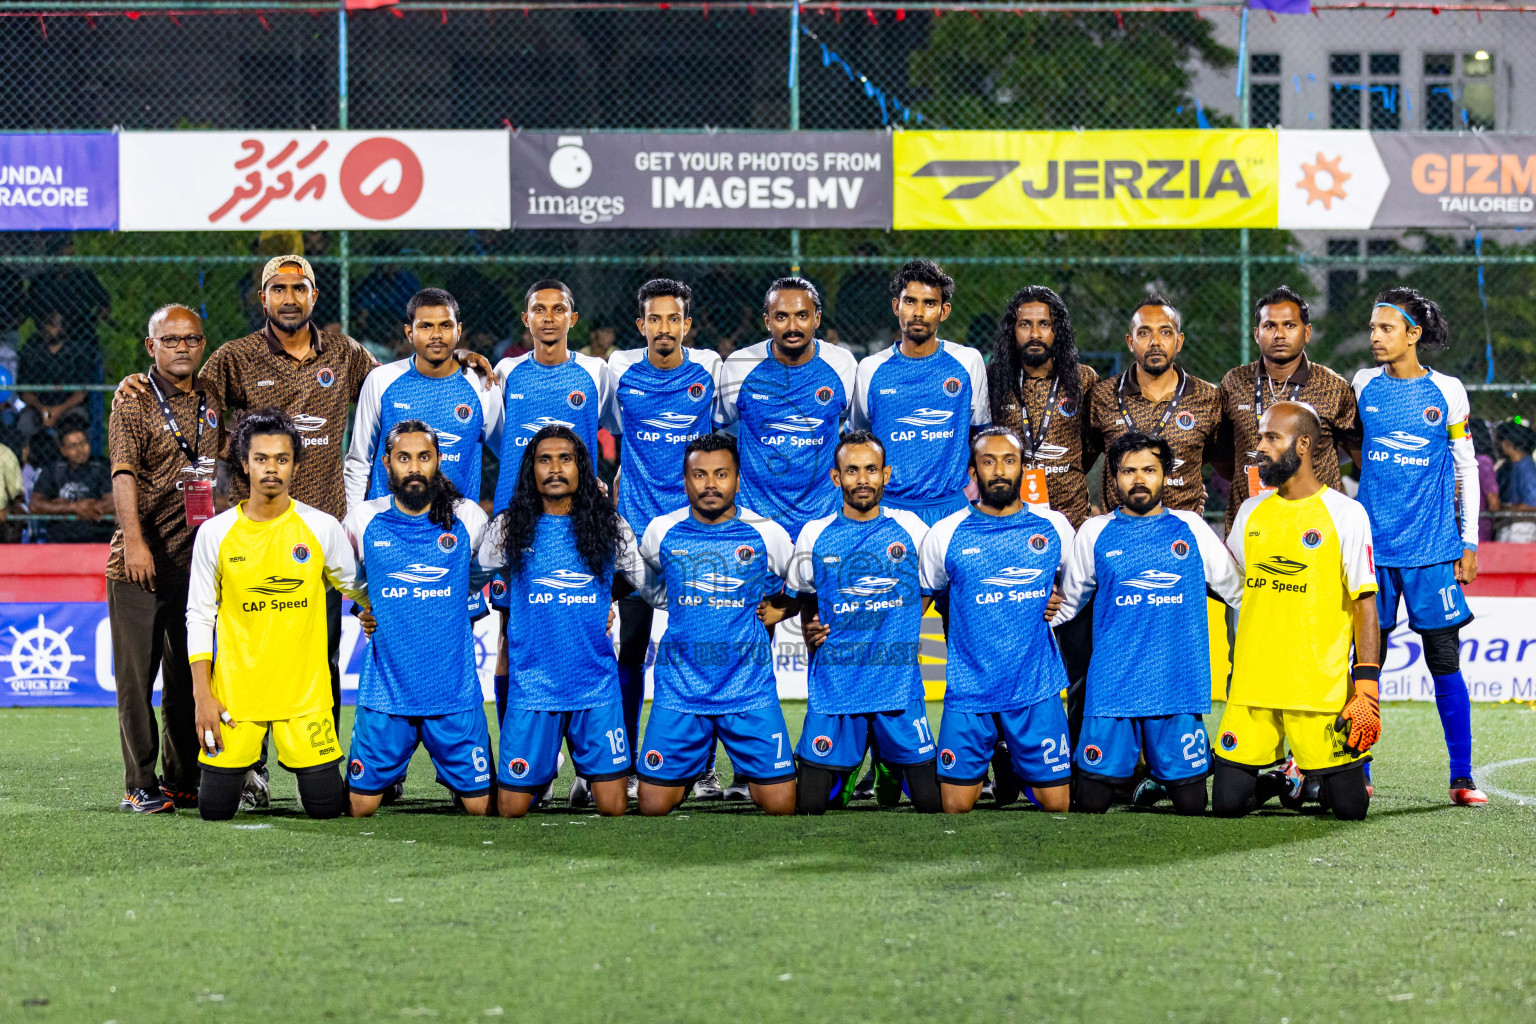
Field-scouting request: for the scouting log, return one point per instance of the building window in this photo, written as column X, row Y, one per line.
column 1365, row 92
column 1385, row 93
column 1344, row 90
column 1264, row 90
column 1343, row 282
column 1457, row 98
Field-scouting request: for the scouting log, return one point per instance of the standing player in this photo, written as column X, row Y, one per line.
column 719, row 569
column 1149, row 680
column 785, row 399
column 430, row 387
column 415, row 547
column 999, row 561
column 922, row 396
column 549, row 386
column 1283, row 372
column 1418, row 461
column 664, row 398
column 259, row 573
column 564, row 543
column 856, row 575
column 1310, row 588
column 1157, row 397
column 1039, row 390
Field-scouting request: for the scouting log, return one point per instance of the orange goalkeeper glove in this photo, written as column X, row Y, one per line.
column 1361, row 717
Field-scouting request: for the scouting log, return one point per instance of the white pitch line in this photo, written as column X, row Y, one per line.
column 1523, row 799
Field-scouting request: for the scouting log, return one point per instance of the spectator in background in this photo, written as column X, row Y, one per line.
column 1487, row 476
column 76, row 293
column 327, row 312
column 1518, row 494
column 13, row 298
column 521, row 344
column 79, row 484
column 600, row 342
column 51, row 357
column 12, row 494
column 483, row 306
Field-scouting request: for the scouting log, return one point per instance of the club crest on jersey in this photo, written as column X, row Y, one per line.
column 447, row 542
column 211, row 418
column 696, row 391
column 1433, row 417
column 1311, row 539
column 517, row 768
column 1228, row 740
column 1180, row 549
column 1067, row 407
column 498, row 589
column 576, row 399
column 952, row 386
column 822, row 745
column 1092, row 754
column 653, row 759
column 896, row 551
column 1039, row 542
column 745, row 554
column 325, row 377
column 355, row 769
column 1185, row 420
column 462, row 412
column 947, row 758
column 301, row 553
column 823, row 395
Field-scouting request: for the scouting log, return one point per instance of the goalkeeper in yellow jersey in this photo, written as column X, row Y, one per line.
column 1309, row 589
column 259, row 575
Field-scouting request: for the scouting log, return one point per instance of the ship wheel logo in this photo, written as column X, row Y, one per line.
column 1314, row 175
column 40, row 658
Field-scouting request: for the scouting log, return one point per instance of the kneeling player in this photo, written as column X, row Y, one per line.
column 563, row 542
column 999, row 560
column 856, row 574
column 719, row 570
column 419, row 685
column 259, row 573
column 1149, row 677
column 1305, row 550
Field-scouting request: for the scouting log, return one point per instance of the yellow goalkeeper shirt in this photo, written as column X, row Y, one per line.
column 260, row 588
column 1304, row 564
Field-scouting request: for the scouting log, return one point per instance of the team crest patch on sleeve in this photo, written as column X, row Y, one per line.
column 517, row 768
column 1180, row 549
column 462, row 412
column 301, row 553
column 211, row 418
column 1067, row 407
column 952, row 386
column 325, row 377
column 823, row 394
column 576, row 399
column 896, row 551
column 1185, row 420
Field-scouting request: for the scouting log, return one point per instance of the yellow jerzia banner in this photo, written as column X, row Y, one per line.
column 1130, row 179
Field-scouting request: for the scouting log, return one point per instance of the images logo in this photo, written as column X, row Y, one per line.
column 926, row 417
column 570, row 165
column 1013, row 576
column 274, row 585
column 869, row 586
column 416, row 572
column 565, row 579
column 1153, row 579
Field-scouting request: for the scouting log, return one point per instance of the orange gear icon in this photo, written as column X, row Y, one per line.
column 1336, row 179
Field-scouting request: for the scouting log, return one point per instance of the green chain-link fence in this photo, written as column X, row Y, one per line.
column 725, row 66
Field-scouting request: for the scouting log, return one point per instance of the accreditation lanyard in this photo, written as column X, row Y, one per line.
column 197, row 493
column 1287, row 394
column 1168, row 413
column 1032, row 442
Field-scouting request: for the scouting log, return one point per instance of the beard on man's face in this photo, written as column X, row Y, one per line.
column 414, row 490
column 1274, row 472
column 1142, row 499
column 1000, row 492
column 1034, row 354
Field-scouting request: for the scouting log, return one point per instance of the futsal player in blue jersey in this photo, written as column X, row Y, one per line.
column 1149, row 677
column 999, row 561
column 718, row 569
column 785, row 399
column 549, row 386
column 855, row 573
column 431, row 387
column 922, row 396
column 664, row 397
column 1416, row 467
column 416, row 549
column 563, row 543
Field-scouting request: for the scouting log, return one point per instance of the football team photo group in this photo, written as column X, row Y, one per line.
column 790, row 486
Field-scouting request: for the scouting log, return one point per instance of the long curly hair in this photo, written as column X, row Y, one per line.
column 1008, row 358
column 1426, row 313
column 593, row 518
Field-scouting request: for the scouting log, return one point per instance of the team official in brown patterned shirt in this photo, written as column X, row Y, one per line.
column 1283, row 373
column 1157, row 397
column 163, row 445
column 1038, row 389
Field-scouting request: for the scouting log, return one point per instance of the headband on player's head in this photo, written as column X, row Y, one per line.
column 1410, row 320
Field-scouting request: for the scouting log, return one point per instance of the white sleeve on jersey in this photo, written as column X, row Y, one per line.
column 358, row 468
column 801, row 579
column 1221, row 573
column 1355, row 546
column 858, row 412
column 1081, row 579
column 846, row 366
column 652, row 582
column 340, row 564
column 205, row 585
column 777, row 546
column 1459, row 411
column 732, row 375
column 933, row 577
column 976, row 367
column 620, row 360
column 355, row 525
column 1239, row 527
column 493, row 429
column 491, row 406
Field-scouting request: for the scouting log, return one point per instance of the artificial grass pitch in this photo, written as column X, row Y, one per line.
column 719, row 914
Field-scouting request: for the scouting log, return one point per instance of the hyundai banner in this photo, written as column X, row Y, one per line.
column 308, row 180
column 58, row 182
column 723, row 180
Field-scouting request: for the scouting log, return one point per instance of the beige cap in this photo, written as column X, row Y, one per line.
column 276, row 264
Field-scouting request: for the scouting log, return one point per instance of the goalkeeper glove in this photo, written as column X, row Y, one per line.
column 1361, row 717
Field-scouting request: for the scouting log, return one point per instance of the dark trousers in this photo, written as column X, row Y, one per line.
column 149, row 633
column 333, row 649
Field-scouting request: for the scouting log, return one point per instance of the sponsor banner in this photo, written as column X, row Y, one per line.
column 58, row 182
column 724, row 180
column 1498, row 654
column 1065, row 180
column 303, row 180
